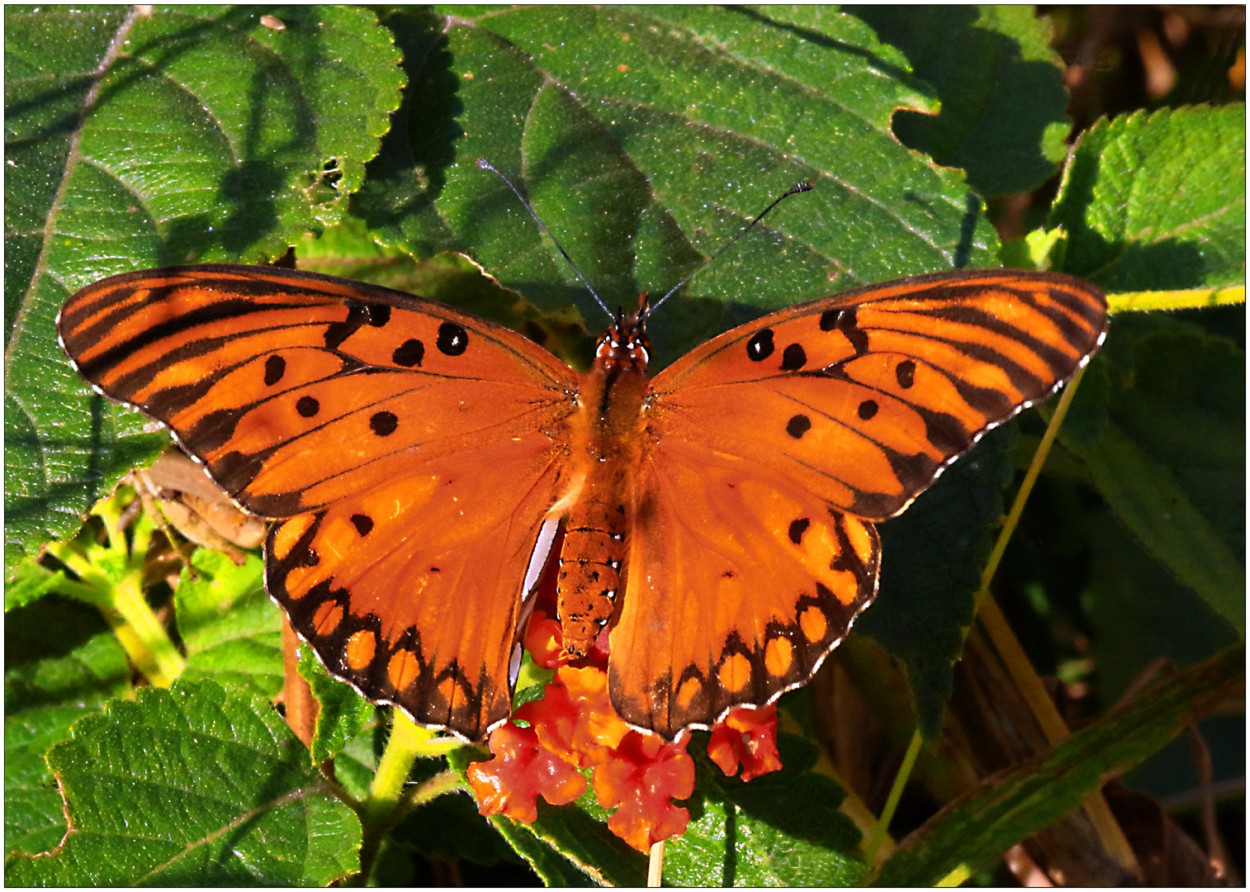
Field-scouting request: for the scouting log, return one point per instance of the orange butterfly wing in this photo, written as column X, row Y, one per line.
column 413, row 451
column 767, row 450
column 405, row 444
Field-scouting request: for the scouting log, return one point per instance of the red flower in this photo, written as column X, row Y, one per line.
column 642, row 776
column 521, row 771
column 544, row 641
column 748, row 737
column 635, row 772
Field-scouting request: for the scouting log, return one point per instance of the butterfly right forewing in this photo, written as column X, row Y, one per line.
column 411, row 453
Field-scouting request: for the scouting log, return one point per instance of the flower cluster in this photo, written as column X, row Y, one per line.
column 573, row 729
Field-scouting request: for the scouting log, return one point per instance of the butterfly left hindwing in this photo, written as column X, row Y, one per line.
column 768, row 450
column 739, row 585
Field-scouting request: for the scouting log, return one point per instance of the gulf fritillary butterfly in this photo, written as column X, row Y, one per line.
column 719, row 516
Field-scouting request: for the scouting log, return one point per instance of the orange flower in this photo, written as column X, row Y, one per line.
column 575, row 717
column 639, row 780
column 522, row 770
column 748, row 737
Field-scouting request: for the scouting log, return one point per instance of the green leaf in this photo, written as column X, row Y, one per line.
column 1155, row 201
column 342, row 712
column 932, row 559
column 781, row 829
column 170, row 136
column 1178, row 486
column 197, row 785
column 62, row 662
column 1003, row 810
column 231, row 630
column 48, row 59
column 58, row 651
column 646, row 138
column 449, row 828
column 1004, row 104
column 357, row 763
column 31, row 581
column 1142, row 614
column 568, row 846
column 34, row 815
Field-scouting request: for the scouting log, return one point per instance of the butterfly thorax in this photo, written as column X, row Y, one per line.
column 606, row 450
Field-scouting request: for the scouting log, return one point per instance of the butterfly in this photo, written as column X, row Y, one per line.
column 718, row 518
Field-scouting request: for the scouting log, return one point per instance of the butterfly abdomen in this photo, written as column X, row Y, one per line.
column 590, row 576
column 606, row 448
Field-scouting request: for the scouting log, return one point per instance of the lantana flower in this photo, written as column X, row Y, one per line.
column 573, row 728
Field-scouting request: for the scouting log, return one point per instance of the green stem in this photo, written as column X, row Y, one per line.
column 401, row 752
column 872, row 849
column 382, row 808
column 142, row 634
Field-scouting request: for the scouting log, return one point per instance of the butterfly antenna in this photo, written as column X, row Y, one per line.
column 793, row 190
column 486, row 165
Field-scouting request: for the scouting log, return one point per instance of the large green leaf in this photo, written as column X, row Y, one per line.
column 195, row 786
column 1179, row 486
column 647, row 137
column 157, row 137
column 1004, row 104
column 1158, row 201
column 1162, row 428
column 61, row 662
column 783, row 829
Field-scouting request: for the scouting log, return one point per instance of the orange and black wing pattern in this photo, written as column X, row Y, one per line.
column 409, row 451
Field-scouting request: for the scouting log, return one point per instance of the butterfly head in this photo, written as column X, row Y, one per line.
column 625, row 345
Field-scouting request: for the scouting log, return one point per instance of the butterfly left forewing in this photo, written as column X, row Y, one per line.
column 865, row 396
column 248, row 365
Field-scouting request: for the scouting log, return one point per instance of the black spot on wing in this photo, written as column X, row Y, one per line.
column 798, row 425
column 453, row 340
column 409, row 354
column 760, row 345
column 359, row 314
column 275, row 368
column 383, row 424
column 793, row 358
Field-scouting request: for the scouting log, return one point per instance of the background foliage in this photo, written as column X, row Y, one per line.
column 644, row 138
